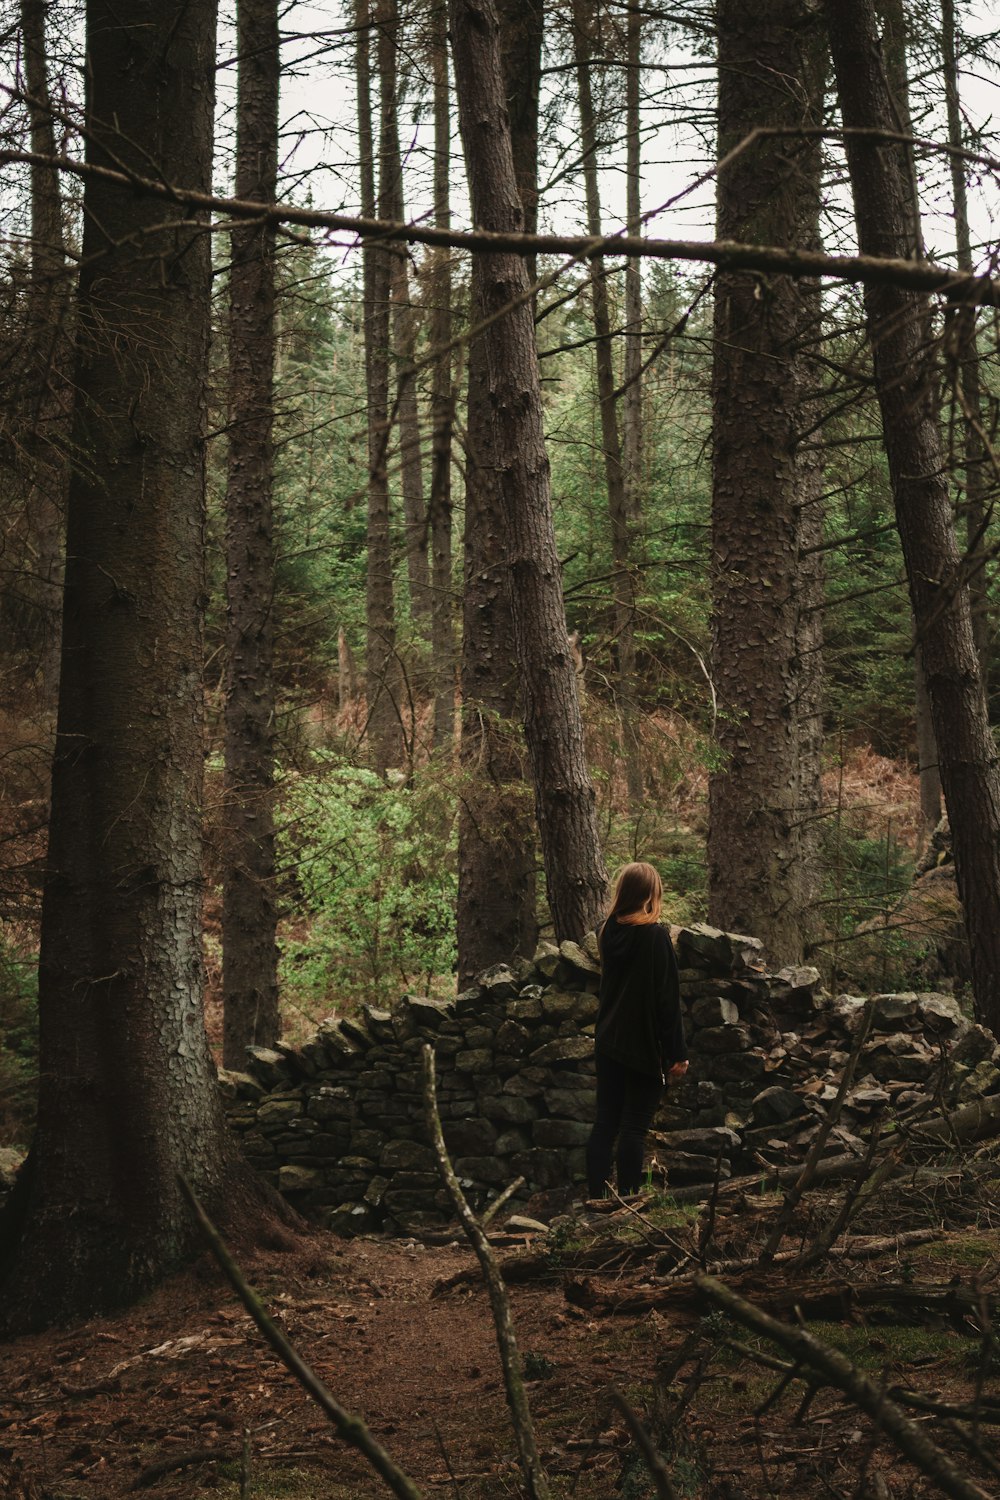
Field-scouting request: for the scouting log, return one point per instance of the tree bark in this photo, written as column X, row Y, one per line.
column 899, row 325
column 632, row 429
column 496, row 914
column 442, row 402
column 893, row 20
column 621, row 551
column 49, row 337
column 964, row 359
column 404, row 326
column 758, row 876
column 127, row 1094
column 383, row 675
column 564, row 795
column 249, row 908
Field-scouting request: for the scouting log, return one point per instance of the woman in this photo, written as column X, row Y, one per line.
column 639, row 1038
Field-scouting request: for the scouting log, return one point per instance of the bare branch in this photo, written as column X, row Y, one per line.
column 348, row 1427
column 524, row 1431
column 837, row 1370
column 729, row 255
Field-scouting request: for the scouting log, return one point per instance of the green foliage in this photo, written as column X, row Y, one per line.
column 370, row 872
column 320, row 468
column 865, row 875
column 538, row 1366
column 18, row 1046
column 677, row 851
column 864, row 879
column 867, row 622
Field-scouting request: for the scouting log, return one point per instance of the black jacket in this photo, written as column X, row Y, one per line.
column 639, row 1019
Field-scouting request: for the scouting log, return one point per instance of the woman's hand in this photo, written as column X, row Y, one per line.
column 678, row 1069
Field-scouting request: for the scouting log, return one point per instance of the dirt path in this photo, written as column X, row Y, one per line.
column 88, row 1411
column 158, row 1400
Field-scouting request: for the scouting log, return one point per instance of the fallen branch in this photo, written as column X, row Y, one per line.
column 348, row 1427
column 794, row 1194
column 176, row 1461
column 658, row 1472
column 837, row 1370
column 896, row 1301
column 856, row 1199
column 970, row 1123
column 524, row 1431
column 729, row 255
column 492, row 1209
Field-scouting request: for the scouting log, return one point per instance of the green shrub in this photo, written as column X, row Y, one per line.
column 370, row 874
column 18, row 1047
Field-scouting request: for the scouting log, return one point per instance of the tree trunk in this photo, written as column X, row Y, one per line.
column 127, row 1094
column 758, row 880
column 49, row 341
column 249, row 909
column 442, row 403
column 964, row 359
column 496, row 914
column 893, row 20
column 383, row 675
column 624, row 579
column 522, row 31
column 899, row 326
column 564, row 795
column 632, row 433
column 404, row 336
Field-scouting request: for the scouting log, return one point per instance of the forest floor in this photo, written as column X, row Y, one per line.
column 180, row 1396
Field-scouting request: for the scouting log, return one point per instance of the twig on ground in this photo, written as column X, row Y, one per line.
column 492, row 1209
column 857, row 1197
column 176, row 1461
column 246, row 1466
column 348, row 1427
column 658, row 1471
column 648, row 1230
column 838, row 1371
column 794, row 1194
column 524, row 1431
column 987, row 1348
column 707, row 1229
column 446, row 1456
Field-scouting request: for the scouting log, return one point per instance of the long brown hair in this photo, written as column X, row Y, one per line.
column 638, row 895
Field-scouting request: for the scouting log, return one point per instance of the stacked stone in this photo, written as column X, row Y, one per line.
column 725, row 992
column 337, row 1124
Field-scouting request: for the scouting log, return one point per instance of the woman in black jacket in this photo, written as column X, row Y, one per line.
column 639, row 1038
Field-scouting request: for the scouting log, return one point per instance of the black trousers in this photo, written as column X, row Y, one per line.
column 626, row 1104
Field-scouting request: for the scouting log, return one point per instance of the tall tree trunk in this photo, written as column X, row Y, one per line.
column 610, row 441
column 127, row 1093
column 899, row 325
column 249, row 909
column 564, row 795
column 383, row 675
column 496, row 914
column 404, row 336
column 965, row 358
column 442, row 399
column 632, row 434
column 811, row 591
column 411, row 465
column 49, row 341
column 758, row 880
column 892, row 16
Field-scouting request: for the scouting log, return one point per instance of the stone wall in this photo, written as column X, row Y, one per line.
column 337, row 1124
